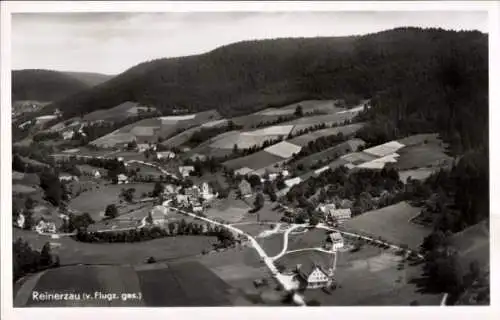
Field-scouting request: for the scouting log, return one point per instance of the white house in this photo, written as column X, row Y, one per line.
column 340, row 215
column 122, row 179
column 142, row 147
column 159, row 215
column 182, row 199
column 96, row 174
column 313, row 275
column 67, row 177
column 335, row 238
column 120, row 159
column 197, row 208
column 68, row 135
column 165, row 155
column 45, row 227
column 20, row 220
column 206, row 191
column 168, row 189
column 185, row 171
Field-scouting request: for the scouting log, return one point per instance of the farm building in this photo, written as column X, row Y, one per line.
column 185, row 171
column 193, row 193
column 96, row 174
column 314, row 275
column 122, row 179
column 335, row 238
column 45, row 227
column 165, row 155
column 384, row 149
column 159, row 215
column 182, row 199
column 206, row 191
column 20, row 221
column 68, row 135
column 67, row 177
column 243, row 171
column 340, row 215
column 245, row 188
column 142, row 147
column 292, row 182
column 169, row 189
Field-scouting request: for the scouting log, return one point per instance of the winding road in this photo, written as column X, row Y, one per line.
column 283, row 280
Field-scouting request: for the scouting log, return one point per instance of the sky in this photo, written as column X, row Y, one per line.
column 111, row 43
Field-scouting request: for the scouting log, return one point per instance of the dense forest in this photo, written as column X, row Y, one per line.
column 252, row 75
column 44, row 85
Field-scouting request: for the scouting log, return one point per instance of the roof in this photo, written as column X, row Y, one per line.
column 121, row 176
column 283, row 149
column 293, row 181
column 384, row 149
column 335, row 236
column 340, row 212
column 186, row 168
column 159, row 212
column 380, row 162
column 243, row 171
column 161, row 285
column 309, row 266
column 320, row 170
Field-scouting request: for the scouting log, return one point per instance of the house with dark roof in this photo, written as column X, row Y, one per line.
column 313, row 274
column 245, row 188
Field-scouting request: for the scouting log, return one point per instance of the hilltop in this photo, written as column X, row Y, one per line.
column 49, row 85
column 252, row 75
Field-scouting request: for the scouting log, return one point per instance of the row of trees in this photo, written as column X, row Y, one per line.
column 28, row 260
column 205, row 134
column 172, row 229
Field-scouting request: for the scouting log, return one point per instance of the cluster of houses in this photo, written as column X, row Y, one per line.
column 193, row 197
column 334, row 215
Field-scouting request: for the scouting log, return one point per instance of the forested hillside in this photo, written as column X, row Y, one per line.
column 48, row 85
column 251, row 75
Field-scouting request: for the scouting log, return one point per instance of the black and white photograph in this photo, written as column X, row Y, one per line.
column 247, row 158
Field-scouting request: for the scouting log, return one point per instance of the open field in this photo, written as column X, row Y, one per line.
column 314, row 238
column 21, row 188
column 243, row 140
column 325, row 106
column 347, row 130
column 331, row 153
column 148, row 130
column 272, row 245
column 118, row 113
column 254, row 161
column 74, row 252
column 417, row 174
column 424, row 150
column 391, row 223
column 183, row 137
column 373, row 279
column 96, row 200
column 329, row 119
column 472, row 244
column 25, row 178
column 179, row 284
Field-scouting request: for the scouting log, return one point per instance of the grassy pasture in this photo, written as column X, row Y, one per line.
column 347, row 130
column 314, row 238
column 254, row 161
column 472, row 244
column 331, row 153
column 74, row 252
column 96, row 200
column 21, row 188
column 391, row 223
column 272, row 245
